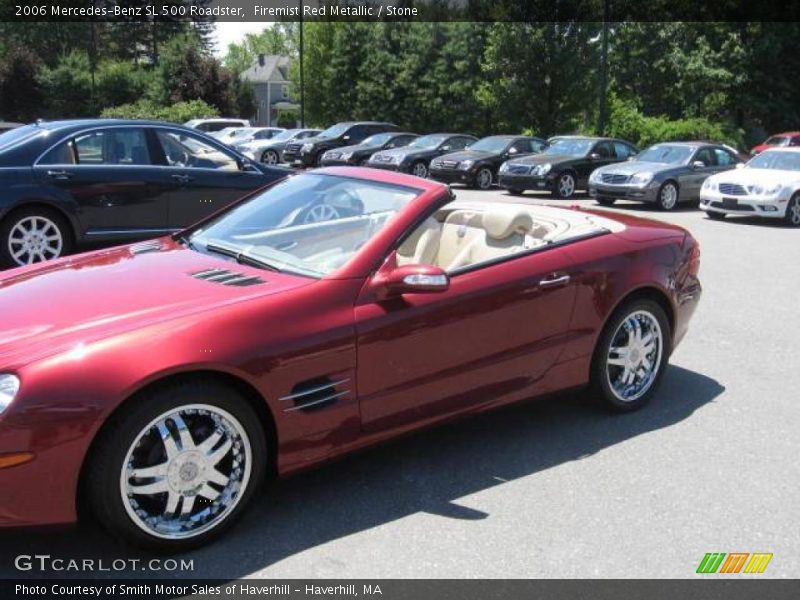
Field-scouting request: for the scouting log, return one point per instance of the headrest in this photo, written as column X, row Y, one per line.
column 502, row 224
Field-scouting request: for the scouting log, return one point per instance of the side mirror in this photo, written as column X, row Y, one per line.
column 740, row 165
column 594, row 156
column 631, row 158
column 445, row 148
column 512, row 151
column 345, row 138
column 698, row 164
column 246, row 166
column 412, row 279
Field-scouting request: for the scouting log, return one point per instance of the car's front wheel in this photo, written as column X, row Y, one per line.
column 565, row 186
column 270, row 157
column 631, row 355
column 174, row 469
column 32, row 235
column 792, row 216
column 484, row 178
column 668, row 196
column 420, row 169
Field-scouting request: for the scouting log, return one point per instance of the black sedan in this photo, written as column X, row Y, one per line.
column 564, row 166
column 65, row 183
column 358, row 154
column 308, row 152
column 664, row 174
column 478, row 164
column 416, row 157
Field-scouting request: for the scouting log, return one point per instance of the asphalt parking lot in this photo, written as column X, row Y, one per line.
column 557, row 488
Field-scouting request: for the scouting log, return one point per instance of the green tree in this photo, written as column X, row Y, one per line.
column 20, row 90
column 68, row 87
column 278, row 38
column 540, row 76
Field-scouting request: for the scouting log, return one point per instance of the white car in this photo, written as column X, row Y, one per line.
column 209, row 125
column 767, row 186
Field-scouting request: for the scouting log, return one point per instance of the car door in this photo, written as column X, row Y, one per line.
column 205, row 178
column 696, row 174
column 601, row 154
column 110, row 175
column 495, row 333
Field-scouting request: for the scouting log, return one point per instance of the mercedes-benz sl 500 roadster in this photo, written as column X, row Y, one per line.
column 159, row 383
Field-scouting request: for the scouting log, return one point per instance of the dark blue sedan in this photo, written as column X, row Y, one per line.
column 67, row 183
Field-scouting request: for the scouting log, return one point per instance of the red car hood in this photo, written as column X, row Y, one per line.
column 52, row 307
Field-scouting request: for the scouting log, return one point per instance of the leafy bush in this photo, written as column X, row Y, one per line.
column 121, row 82
column 626, row 121
column 180, row 112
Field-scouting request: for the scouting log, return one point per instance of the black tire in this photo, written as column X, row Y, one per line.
column 101, row 482
column 663, row 200
column 16, row 217
column 363, row 162
column 481, row 179
column 715, row 216
column 792, row 217
column 515, row 192
column 270, row 157
column 605, row 201
column 561, row 189
column 418, row 168
column 600, row 386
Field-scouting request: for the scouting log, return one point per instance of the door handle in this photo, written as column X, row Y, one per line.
column 553, row 280
column 59, row 175
column 183, row 178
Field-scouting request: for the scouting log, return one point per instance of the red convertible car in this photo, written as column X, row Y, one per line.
column 159, row 383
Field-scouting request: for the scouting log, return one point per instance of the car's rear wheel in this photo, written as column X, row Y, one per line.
column 668, row 196
column 484, row 178
column 565, row 186
column 420, row 169
column 175, row 469
column 631, row 356
column 715, row 216
column 792, row 216
column 605, row 201
column 32, row 235
column 270, row 157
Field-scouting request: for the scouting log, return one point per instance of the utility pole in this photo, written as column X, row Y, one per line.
column 601, row 121
column 302, row 82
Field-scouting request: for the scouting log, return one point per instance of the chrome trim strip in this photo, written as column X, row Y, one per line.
column 320, row 388
column 129, row 231
column 316, row 402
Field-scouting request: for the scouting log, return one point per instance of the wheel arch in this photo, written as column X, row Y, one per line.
column 249, row 393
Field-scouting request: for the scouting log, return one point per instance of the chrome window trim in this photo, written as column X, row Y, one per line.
column 190, row 132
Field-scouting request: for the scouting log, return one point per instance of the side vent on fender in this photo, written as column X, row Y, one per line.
column 315, row 394
column 142, row 248
column 225, row 277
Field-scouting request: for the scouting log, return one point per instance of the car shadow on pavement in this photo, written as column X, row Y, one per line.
column 425, row 472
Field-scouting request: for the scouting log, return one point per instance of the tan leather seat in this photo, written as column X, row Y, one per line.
column 422, row 246
column 460, row 229
column 503, row 232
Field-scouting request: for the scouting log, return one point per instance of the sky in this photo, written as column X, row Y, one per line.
column 229, row 32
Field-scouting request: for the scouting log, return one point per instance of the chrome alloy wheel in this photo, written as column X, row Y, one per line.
column 484, row 179
column 420, row 170
column 634, row 356
column 35, row 239
column 186, row 471
column 793, row 212
column 669, row 196
column 566, row 185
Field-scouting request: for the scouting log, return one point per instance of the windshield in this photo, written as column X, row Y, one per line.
column 427, row 141
column 490, row 144
column 286, row 134
column 785, row 161
column 569, row 147
column 334, row 131
column 379, row 139
column 666, row 154
column 309, row 224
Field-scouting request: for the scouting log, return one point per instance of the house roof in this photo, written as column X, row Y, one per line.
column 274, row 69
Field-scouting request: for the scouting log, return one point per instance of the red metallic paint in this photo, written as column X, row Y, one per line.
column 89, row 332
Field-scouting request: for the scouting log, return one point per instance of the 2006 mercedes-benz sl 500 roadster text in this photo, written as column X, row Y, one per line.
column 257, row 343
